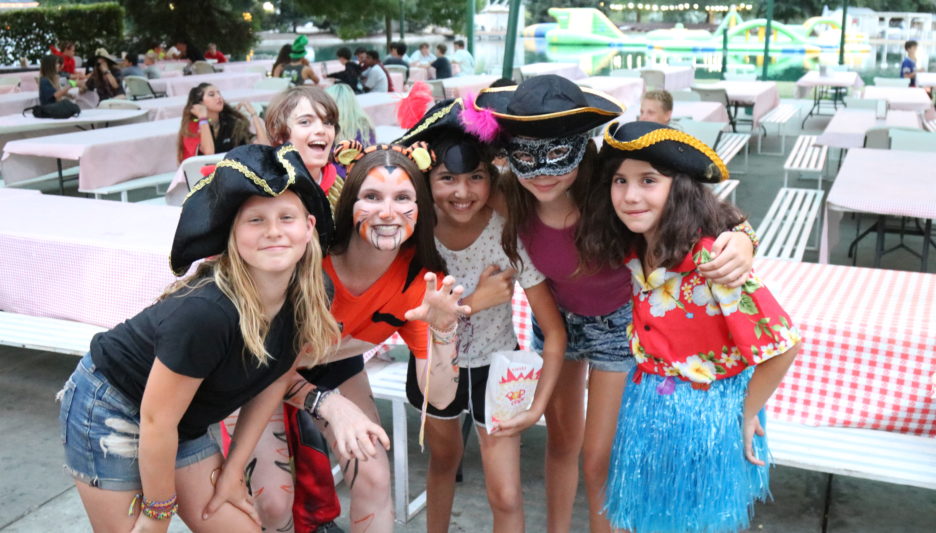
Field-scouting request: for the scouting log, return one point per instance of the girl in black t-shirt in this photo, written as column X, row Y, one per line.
column 136, row 411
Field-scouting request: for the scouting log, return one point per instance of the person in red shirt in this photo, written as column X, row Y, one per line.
column 708, row 356
column 66, row 51
column 213, row 53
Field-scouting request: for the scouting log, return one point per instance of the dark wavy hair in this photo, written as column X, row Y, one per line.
column 422, row 240
column 691, row 212
column 241, row 130
column 521, row 204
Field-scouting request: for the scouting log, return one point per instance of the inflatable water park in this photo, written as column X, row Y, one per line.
column 591, row 27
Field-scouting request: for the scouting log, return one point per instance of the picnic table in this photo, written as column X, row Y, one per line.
column 884, row 183
column 462, row 85
column 171, row 107
column 926, row 79
column 675, row 77
column 18, row 123
column 904, row 98
column 848, row 127
column 762, row 96
column 105, row 156
column 380, row 107
column 92, row 261
column 625, row 90
column 16, row 102
column 569, row 71
column 246, row 66
column 820, row 85
column 701, row 111
column 180, row 86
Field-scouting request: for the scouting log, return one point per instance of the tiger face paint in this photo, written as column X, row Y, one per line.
column 385, row 212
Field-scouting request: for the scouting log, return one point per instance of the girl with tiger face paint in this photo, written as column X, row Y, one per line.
column 385, row 212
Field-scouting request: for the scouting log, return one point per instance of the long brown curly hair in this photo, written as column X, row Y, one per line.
column 241, row 131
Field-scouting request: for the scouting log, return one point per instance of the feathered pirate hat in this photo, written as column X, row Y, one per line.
column 548, row 106
column 456, row 134
column 664, row 147
column 249, row 170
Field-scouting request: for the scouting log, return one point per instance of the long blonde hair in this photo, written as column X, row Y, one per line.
column 317, row 333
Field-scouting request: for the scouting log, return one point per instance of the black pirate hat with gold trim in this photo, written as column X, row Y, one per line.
column 250, row 170
column 548, row 106
column 664, row 147
column 448, row 132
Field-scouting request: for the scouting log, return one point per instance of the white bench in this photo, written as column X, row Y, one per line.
column 388, row 382
column 929, row 125
column 785, row 229
column 806, row 156
column 778, row 116
column 46, row 334
column 124, row 187
column 729, row 144
column 725, row 188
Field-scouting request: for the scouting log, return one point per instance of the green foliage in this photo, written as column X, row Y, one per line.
column 29, row 32
column 352, row 19
column 198, row 21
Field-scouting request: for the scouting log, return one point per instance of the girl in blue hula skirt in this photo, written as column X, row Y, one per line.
column 690, row 452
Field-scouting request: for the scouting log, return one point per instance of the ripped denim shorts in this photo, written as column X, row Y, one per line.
column 100, row 429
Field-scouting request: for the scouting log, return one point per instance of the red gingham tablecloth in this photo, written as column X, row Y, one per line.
column 869, row 347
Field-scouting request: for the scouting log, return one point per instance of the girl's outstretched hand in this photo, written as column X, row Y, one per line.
column 229, row 487
column 752, row 426
column 440, row 307
column 356, row 436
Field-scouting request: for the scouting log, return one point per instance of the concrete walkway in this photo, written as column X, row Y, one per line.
column 38, row 497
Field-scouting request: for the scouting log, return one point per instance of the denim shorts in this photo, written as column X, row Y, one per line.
column 599, row 340
column 100, row 430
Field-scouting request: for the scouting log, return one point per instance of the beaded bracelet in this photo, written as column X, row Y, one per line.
column 444, row 337
column 160, row 515
column 746, row 228
column 204, row 121
column 157, row 510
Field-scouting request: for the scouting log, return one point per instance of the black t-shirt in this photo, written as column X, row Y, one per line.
column 442, row 67
column 195, row 334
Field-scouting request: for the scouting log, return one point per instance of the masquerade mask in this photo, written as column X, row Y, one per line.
column 545, row 157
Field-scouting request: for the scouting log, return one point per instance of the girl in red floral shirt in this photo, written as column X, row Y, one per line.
column 689, row 454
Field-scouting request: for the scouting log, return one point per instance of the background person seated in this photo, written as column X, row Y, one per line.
column 657, row 106
column 211, row 126
column 51, row 89
column 441, row 64
column 375, row 76
column 104, row 78
column 422, row 57
column 463, row 58
column 213, row 53
column 297, row 70
column 351, row 75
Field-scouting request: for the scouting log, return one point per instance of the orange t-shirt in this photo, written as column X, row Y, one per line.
column 377, row 313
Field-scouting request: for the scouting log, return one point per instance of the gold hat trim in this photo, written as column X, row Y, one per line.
column 250, row 174
column 666, row 134
column 432, row 119
column 557, row 114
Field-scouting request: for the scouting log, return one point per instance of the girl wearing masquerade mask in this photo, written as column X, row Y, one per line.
column 136, row 411
column 544, row 204
column 467, row 235
column 696, row 415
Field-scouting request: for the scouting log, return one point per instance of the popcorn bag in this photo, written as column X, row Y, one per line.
column 511, row 384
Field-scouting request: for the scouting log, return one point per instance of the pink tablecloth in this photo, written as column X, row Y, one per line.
column 848, row 127
column 625, row 90
column 246, row 66
column 867, row 354
column 93, row 261
column 421, row 73
column 566, row 70
column 15, row 102
column 27, row 79
column 904, row 98
column 9, row 89
column 225, row 81
column 105, row 156
column 701, row 111
column 813, row 79
column 460, row 86
column 171, row 107
column 882, row 182
column 380, row 107
column 675, row 77
column 762, row 95
column 926, row 79
column 868, row 346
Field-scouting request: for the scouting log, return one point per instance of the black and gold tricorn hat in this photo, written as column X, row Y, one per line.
column 664, row 147
column 455, row 143
column 548, row 106
column 250, row 170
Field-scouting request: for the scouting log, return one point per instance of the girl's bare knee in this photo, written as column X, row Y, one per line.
column 505, row 499
column 275, row 510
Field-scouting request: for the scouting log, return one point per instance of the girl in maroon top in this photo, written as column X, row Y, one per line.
column 689, row 454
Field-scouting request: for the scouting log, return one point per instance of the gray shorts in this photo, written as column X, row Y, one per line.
column 599, row 340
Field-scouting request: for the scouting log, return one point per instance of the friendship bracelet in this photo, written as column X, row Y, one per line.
column 167, row 503
column 160, row 515
column 746, row 228
column 204, row 121
column 444, row 337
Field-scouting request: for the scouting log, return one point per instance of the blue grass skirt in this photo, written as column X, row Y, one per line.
column 678, row 459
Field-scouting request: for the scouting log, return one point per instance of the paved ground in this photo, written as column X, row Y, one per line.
column 38, row 497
